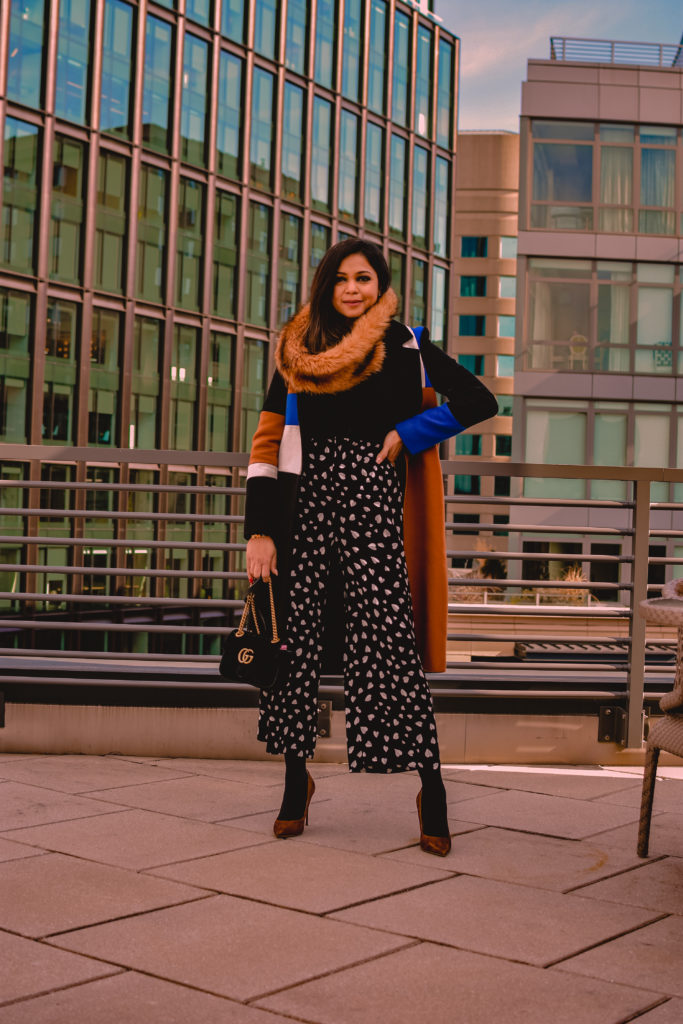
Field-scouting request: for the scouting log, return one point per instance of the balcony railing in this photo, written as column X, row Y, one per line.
column 605, row 51
column 136, row 558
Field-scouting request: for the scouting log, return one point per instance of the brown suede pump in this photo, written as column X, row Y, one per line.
column 440, row 846
column 284, row 828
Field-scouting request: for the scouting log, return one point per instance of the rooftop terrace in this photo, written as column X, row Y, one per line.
column 609, row 51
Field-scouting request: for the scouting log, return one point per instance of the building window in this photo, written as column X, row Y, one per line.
column 374, row 176
column 471, row 286
column 110, row 221
column 232, row 20
column 348, row 166
column 466, row 484
column 353, row 30
column 468, row 444
column 505, row 366
column 401, row 73
column 219, row 392
column 423, row 83
column 25, row 64
column 156, row 83
column 265, row 27
column 66, row 222
column 117, row 68
column 289, row 267
column 472, row 326
column 444, row 96
column 193, row 100
column 506, row 326
column 562, row 189
column 475, row 364
column 397, row 268
column 143, row 424
column 397, row 187
column 321, row 154
column 183, row 394
column 253, row 388
column 377, row 50
column 320, row 243
column 151, row 247
column 59, row 386
column 437, row 330
column 297, row 33
column 472, row 246
column 418, row 293
column 258, row 264
column 20, row 195
column 504, row 403
column 73, row 45
column 261, row 146
column 503, row 444
column 420, row 196
column 229, row 127
column 507, row 287
column 189, row 243
column 610, row 440
column 223, row 292
column 104, row 378
column 15, row 364
column 292, row 143
column 508, row 247
column 555, row 437
column 442, row 203
column 325, row 48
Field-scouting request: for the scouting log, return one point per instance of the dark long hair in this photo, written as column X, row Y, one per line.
column 326, row 326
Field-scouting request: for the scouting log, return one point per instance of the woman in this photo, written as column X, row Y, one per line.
column 325, row 498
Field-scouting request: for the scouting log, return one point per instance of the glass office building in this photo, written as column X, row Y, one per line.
column 173, row 173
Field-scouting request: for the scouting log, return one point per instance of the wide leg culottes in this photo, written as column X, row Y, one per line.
column 349, row 519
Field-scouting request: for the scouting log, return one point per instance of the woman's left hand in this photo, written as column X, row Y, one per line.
column 391, row 447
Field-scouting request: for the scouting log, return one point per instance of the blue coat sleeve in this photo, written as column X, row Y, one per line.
column 468, row 401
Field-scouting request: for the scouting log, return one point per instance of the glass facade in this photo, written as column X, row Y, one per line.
column 15, row 364
column 377, row 60
column 66, row 224
column 292, row 143
column 353, row 28
column 20, row 194
column 262, row 130
column 229, row 128
column 194, row 100
column 73, row 45
column 25, row 63
column 117, row 68
column 401, row 76
column 374, row 176
column 296, row 35
column 156, row 83
column 348, row 166
column 110, row 221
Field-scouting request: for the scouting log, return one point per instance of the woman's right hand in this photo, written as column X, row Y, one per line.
column 261, row 558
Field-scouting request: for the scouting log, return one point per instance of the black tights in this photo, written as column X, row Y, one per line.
column 434, row 814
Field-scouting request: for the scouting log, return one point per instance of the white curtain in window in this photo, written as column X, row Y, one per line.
column 616, row 175
column 657, row 173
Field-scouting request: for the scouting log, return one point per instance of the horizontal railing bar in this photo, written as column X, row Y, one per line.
column 112, row 656
column 589, row 503
column 465, row 581
column 544, row 610
column 533, row 638
column 129, row 542
column 113, row 571
column 109, row 599
column 99, row 625
column 534, row 528
column 624, row 474
column 171, row 517
column 539, row 556
column 183, row 461
column 152, row 488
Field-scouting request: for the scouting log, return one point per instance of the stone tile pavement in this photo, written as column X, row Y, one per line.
column 151, row 891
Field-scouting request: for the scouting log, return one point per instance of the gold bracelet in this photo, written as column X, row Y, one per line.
column 259, row 536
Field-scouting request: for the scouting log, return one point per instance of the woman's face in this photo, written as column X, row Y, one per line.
column 356, row 288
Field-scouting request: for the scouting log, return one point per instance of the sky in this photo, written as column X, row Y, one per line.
column 499, row 36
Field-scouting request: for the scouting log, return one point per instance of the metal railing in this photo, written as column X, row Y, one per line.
column 605, row 51
column 137, row 558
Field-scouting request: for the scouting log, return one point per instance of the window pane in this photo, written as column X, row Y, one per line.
column 253, row 388
column 143, row 425
column 558, row 310
column 418, row 293
column 420, row 192
column 397, row 266
column 616, row 175
column 20, row 194
column 353, row 22
column 563, row 130
column 71, row 86
column 190, row 247
column 289, row 267
column 15, row 364
column 508, row 247
column 506, row 327
column 374, row 175
column 67, row 209
column 563, row 172
column 183, row 387
column 59, row 387
column 156, row 87
column 223, row 294
column 261, row 146
column 348, row 166
column 297, row 34
column 475, row 364
column 320, row 243
column 442, row 202
column 232, row 19
column 193, row 100
column 219, row 393
column 110, row 221
column 471, row 286
column 437, row 330
column 397, row 187
column 325, row 42
column 104, row 378
column 655, row 312
column 151, row 247
column 292, row 142
column 117, row 73
column 557, row 438
column 198, row 10
column 25, row 64
column 472, row 326
column 423, row 82
column 265, row 27
column 651, row 440
column 473, row 246
column 444, row 98
column 321, row 154
column 508, row 287
column 468, row 444
column 399, row 99
column 229, row 129
column 610, row 434
column 657, row 176
column 377, row 49
column 258, row 264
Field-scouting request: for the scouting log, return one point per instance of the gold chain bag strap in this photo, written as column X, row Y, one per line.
column 250, row 655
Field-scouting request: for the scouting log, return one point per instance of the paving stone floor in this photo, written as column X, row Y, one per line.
column 151, row 891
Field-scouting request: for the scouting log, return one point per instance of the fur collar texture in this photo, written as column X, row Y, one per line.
column 359, row 354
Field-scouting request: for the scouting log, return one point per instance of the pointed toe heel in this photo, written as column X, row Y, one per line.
column 440, row 846
column 284, row 828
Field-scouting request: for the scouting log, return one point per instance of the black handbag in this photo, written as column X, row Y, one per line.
column 252, row 653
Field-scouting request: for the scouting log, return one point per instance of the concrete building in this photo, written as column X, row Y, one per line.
column 599, row 361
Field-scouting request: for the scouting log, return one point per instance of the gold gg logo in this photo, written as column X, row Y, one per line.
column 245, row 656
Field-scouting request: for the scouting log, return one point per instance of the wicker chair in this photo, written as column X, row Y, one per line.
column 666, row 734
